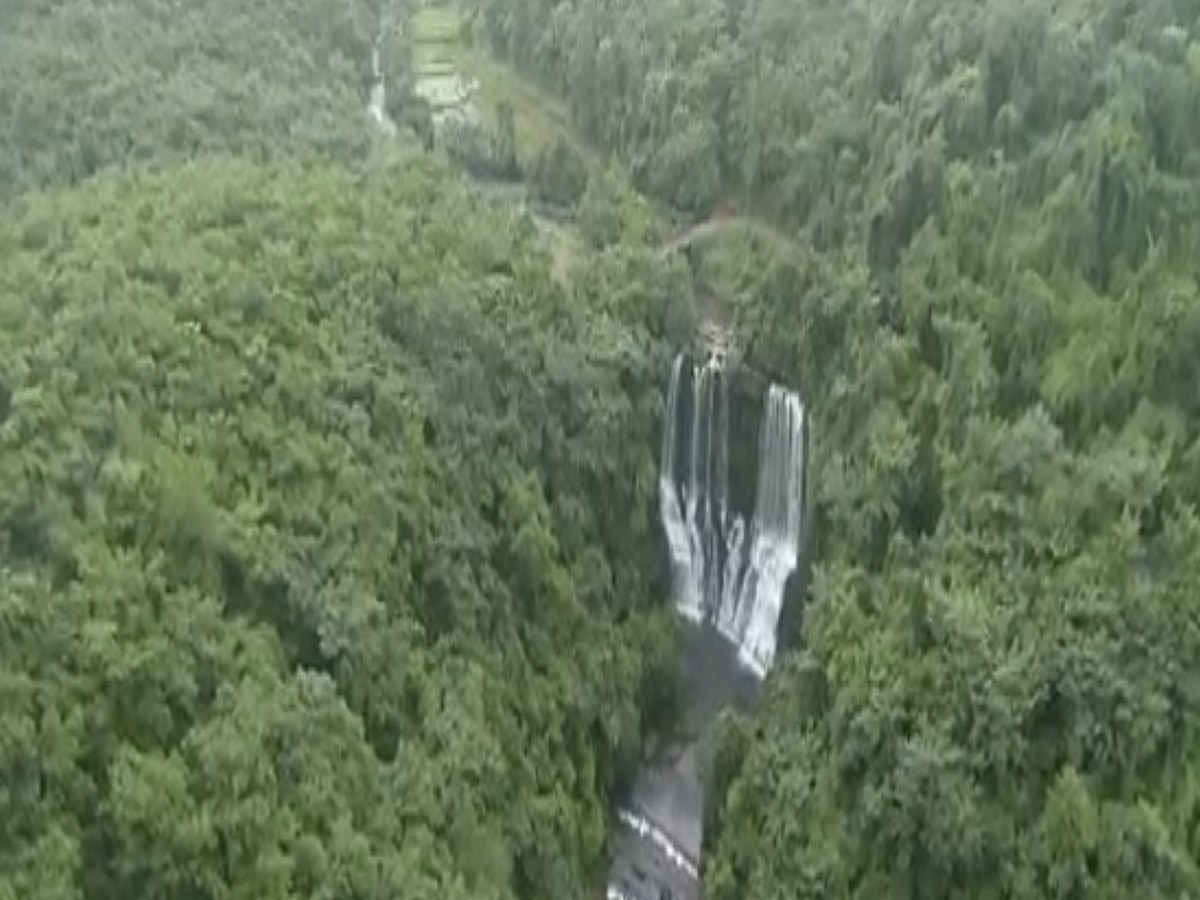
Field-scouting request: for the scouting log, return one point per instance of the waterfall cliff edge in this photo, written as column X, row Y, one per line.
column 733, row 501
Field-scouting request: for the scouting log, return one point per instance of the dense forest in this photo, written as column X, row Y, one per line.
column 327, row 546
column 86, row 85
column 305, row 590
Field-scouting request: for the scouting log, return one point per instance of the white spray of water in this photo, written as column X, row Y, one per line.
column 647, row 830
column 377, row 99
column 693, row 511
column 678, row 529
column 723, row 574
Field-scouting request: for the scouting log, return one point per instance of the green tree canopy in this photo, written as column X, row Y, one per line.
column 305, row 592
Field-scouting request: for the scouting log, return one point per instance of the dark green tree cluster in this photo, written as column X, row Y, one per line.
column 306, row 586
column 823, row 112
column 992, row 306
column 324, row 543
column 88, row 84
column 559, row 174
column 487, row 151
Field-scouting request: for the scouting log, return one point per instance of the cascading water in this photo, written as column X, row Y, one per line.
column 695, row 513
column 728, row 579
column 724, row 573
column 377, row 99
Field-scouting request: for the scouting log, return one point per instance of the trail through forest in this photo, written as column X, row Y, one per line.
column 485, row 83
column 726, row 222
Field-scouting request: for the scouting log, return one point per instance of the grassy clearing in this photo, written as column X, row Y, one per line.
column 540, row 118
column 436, row 23
column 566, row 248
column 435, row 33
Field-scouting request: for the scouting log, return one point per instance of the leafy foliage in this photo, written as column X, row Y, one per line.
column 304, row 591
column 559, row 174
column 89, row 84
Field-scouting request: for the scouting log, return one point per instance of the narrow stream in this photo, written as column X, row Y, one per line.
column 377, row 97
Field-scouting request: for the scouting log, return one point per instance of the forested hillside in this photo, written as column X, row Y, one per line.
column 304, row 580
column 325, row 552
column 992, row 306
column 89, row 84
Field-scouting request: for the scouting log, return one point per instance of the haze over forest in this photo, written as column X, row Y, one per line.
column 338, row 344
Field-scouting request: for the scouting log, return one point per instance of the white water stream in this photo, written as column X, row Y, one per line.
column 377, row 97
column 729, row 572
column 725, row 573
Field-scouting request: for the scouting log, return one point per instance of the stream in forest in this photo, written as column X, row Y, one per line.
column 377, row 94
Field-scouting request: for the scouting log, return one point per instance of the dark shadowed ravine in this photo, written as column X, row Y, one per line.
column 657, row 845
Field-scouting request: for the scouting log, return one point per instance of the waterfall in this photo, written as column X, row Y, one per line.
column 694, row 513
column 734, row 538
column 756, row 602
column 725, row 573
column 377, row 99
